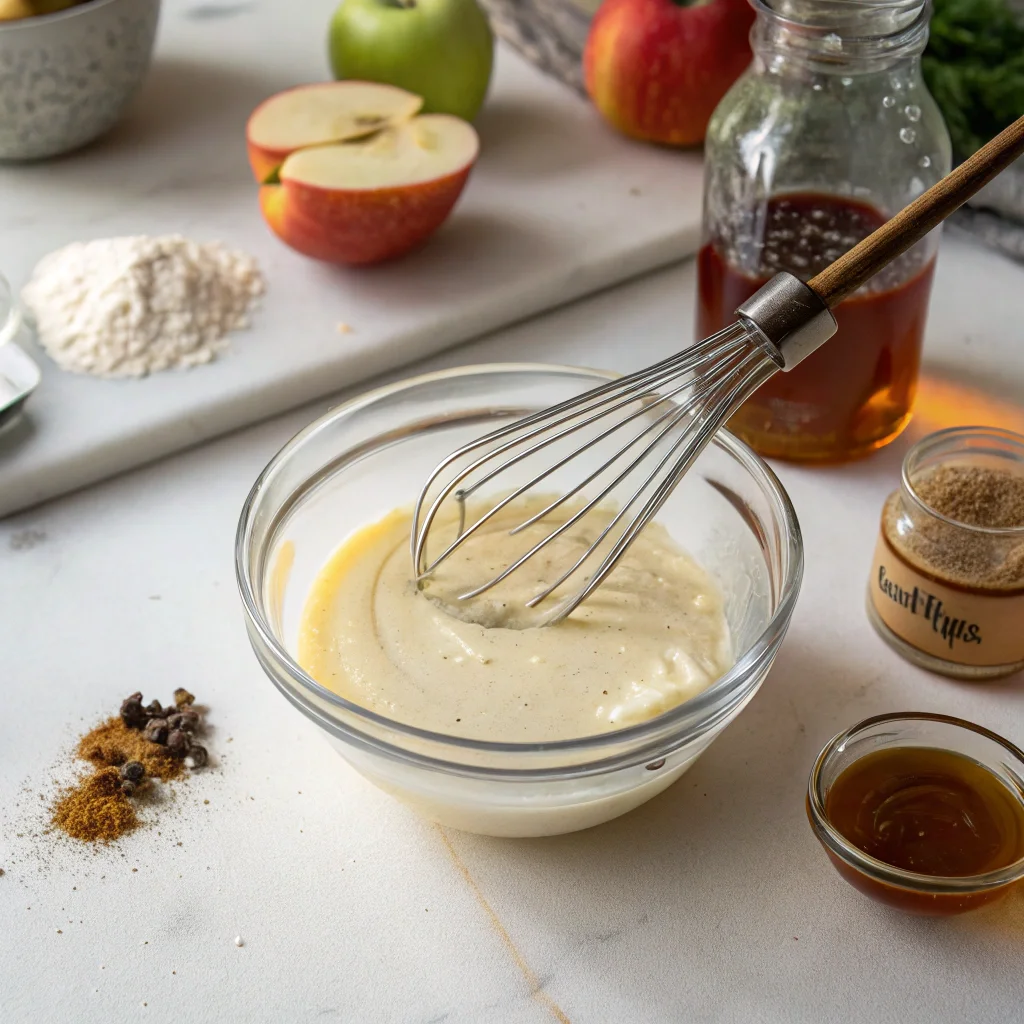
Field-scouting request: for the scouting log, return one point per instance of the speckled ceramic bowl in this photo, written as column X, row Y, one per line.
column 66, row 78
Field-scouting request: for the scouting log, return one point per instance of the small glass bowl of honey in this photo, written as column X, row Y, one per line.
column 922, row 812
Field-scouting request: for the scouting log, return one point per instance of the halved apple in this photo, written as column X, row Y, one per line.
column 374, row 198
column 316, row 115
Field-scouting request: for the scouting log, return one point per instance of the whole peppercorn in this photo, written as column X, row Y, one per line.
column 133, row 771
column 156, row 730
column 128, row 787
column 197, row 755
column 182, row 697
column 177, row 742
column 188, row 720
column 133, row 714
column 155, row 709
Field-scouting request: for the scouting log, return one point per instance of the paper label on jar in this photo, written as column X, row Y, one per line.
column 956, row 625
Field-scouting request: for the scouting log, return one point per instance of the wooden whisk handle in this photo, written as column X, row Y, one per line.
column 913, row 222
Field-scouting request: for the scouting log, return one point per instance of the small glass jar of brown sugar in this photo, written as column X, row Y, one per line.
column 947, row 584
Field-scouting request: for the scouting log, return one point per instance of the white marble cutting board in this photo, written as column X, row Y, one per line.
column 558, row 206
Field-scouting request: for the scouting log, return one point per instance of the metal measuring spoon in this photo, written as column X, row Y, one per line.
column 19, row 375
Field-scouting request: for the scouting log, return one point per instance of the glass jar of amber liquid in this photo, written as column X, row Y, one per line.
column 829, row 133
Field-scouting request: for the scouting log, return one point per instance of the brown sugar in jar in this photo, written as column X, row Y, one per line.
column 947, row 584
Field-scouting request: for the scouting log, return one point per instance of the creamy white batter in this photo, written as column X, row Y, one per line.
column 652, row 636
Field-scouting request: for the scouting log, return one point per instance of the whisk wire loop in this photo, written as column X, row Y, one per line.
column 592, row 406
column 758, row 367
column 675, row 415
column 680, row 397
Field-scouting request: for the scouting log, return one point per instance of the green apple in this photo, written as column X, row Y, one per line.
column 441, row 50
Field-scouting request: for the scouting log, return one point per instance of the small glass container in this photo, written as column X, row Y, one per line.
column 916, row 893
column 829, row 133
column 946, row 594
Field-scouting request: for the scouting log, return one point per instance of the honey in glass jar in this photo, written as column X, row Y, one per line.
column 829, row 133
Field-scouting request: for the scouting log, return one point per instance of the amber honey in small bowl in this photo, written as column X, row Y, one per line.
column 922, row 812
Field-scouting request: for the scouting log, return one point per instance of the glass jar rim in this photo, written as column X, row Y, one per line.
column 881, row 870
column 921, row 10
column 1006, row 437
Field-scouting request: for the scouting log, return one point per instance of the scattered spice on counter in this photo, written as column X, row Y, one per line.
column 143, row 743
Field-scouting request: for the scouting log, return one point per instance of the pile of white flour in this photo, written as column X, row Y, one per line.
column 125, row 307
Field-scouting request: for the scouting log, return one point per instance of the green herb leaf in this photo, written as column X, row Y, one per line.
column 974, row 67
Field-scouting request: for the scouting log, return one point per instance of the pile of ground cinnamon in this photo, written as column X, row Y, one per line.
column 126, row 753
column 974, row 496
column 96, row 809
column 113, row 743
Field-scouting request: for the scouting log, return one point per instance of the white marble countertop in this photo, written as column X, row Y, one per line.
column 711, row 903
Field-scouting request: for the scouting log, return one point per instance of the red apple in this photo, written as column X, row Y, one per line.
column 374, row 198
column 314, row 115
column 656, row 69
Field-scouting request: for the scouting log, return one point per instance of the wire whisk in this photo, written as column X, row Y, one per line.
column 626, row 444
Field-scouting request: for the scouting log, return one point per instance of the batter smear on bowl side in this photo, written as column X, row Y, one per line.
column 651, row 637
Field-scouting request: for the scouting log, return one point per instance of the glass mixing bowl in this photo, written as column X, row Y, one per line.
column 370, row 456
